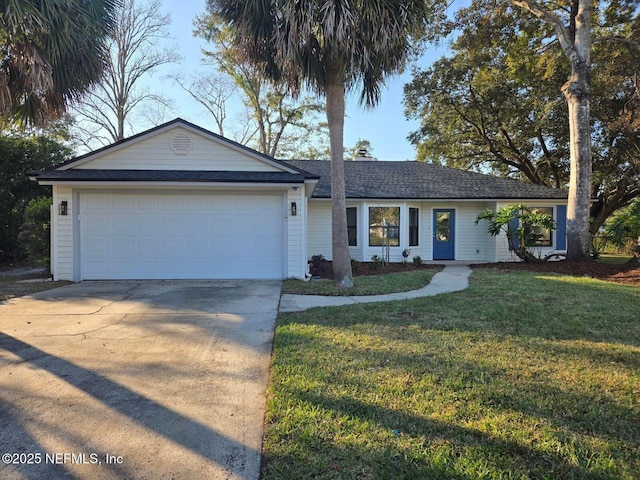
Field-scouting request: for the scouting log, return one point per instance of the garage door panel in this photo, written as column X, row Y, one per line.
column 98, row 225
column 149, row 223
column 122, row 226
column 147, row 202
column 138, row 236
column 124, row 247
column 99, row 247
column 96, row 202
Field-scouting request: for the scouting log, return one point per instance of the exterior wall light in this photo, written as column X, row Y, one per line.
column 63, row 208
column 294, row 209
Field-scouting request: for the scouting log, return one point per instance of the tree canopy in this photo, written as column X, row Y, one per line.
column 272, row 121
column 494, row 105
column 20, row 154
column 52, row 51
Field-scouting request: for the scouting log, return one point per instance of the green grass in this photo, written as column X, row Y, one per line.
column 366, row 285
column 521, row 376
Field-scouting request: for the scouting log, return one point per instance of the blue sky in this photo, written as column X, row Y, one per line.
column 385, row 126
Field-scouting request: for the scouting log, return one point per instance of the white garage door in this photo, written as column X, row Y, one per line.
column 177, row 236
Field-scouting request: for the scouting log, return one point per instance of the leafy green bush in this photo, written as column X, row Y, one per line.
column 521, row 225
column 417, row 260
column 34, row 236
column 378, row 261
column 622, row 230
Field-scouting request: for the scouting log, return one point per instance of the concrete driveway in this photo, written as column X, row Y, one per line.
column 136, row 380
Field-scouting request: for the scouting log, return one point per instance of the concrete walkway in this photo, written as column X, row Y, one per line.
column 452, row 279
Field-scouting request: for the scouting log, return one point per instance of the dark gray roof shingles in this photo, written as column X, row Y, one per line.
column 419, row 180
column 364, row 179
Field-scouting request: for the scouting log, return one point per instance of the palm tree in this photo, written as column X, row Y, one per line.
column 51, row 52
column 331, row 46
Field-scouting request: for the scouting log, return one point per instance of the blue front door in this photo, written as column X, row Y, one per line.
column 443, row 234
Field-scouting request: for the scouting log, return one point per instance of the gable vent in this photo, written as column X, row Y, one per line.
column 181, row 144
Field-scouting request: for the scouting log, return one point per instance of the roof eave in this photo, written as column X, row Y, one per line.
column 153, row 184
column 450, row 199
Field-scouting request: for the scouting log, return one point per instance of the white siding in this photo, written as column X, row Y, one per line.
column 296, row 244
column 155, row 153
column 62, row 231
column 319, row 229
column 491, row 245
column 472, row 242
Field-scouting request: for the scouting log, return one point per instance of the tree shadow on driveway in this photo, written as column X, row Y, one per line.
column 213, row 451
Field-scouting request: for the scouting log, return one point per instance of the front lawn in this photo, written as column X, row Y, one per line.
column 523, row 375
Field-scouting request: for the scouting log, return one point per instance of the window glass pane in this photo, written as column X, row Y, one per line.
column 384, row 226
column 352, row 226
column 351, row 216
column 443, row 226
column 413, row 227
column 543, row 235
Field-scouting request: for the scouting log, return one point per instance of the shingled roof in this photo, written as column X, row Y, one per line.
column 419, row 180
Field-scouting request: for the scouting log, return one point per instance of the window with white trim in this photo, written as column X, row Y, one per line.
column 384, row 226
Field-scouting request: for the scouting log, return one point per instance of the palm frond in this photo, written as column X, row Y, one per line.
column 369, row 39
column 53, row 51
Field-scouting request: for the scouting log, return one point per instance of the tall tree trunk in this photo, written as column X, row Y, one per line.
column 578, row 208
column 335, row 93
column 575, row 41
column 577, row 91
column 120, row 122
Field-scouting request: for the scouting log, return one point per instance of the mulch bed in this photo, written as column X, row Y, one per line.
column 366, row 269
column 628, row 273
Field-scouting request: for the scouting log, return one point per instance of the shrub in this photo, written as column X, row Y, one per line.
column 417, row 261
column 378, row 261
column 521, row 225
column 355, row 265
column 34, row 236
column 622, row 230
column 318, row 265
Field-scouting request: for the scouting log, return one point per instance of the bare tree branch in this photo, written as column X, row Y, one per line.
column 112, row 104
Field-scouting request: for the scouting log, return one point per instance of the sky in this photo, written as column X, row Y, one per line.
column 385, row 126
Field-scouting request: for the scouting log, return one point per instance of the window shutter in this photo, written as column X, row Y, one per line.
column 513, row 226
column 561, row 230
